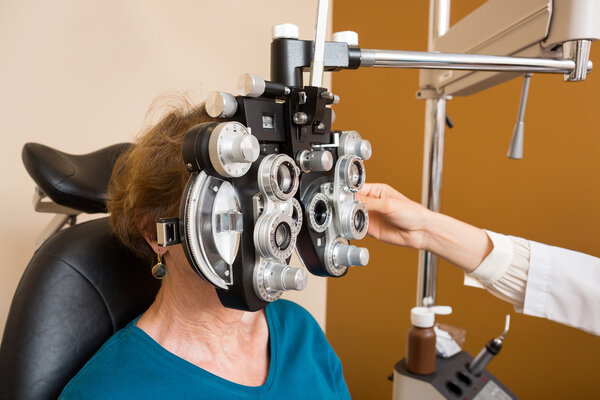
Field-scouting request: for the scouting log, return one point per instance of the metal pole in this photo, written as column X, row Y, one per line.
column 457, row 61
column 433, row 155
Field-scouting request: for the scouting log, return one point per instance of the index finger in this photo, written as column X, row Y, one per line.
column 379, row 191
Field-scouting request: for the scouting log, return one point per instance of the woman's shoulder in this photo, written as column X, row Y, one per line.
column 287, row 309
column 108, row 368
column 292, row 316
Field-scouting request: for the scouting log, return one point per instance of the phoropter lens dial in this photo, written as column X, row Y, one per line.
column 271, row 279
column 278, row 177
column 352, row 170
column 275, row 236
column 319, row 213
column 232, row 149
column 297, row 215
column 354, row 221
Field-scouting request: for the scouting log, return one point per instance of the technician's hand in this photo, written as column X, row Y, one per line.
column 393, row 217
column 398, row 220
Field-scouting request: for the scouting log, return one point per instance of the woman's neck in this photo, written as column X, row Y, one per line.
column 188, row 319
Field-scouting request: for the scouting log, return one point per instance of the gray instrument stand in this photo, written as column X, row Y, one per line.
column 451, row 380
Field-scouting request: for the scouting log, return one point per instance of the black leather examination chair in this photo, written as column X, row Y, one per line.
column 80, row 287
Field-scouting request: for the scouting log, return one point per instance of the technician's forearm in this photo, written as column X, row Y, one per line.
column 461, row 244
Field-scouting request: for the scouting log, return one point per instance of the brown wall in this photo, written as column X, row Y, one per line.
column 551, row 196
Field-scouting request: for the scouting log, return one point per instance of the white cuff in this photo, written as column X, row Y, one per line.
column 504, row 271
column 497, row 262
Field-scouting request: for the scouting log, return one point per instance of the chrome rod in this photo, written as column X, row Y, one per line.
column 433, row 162
column 474, row 62
column 433, row 156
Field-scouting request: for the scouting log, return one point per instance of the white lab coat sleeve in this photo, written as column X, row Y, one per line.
column 564, row 286
column 504, row 271
column 543, row 281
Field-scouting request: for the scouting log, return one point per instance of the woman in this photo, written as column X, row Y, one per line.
column 187, row 345
column 539, row 280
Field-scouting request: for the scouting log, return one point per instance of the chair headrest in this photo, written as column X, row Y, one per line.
column 76, row 181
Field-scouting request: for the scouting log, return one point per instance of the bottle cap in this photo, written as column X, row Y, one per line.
column 424, row 317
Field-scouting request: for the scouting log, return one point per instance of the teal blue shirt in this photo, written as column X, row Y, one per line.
column 131, row 365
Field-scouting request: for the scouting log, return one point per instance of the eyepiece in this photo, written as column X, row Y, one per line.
column 319, row 213
column 278, row 177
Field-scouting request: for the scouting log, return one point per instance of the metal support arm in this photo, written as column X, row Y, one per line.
column 473, row 62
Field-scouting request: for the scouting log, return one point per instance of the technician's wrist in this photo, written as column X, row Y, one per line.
column 430, row 222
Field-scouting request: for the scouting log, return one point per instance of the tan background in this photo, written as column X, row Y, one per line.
column 81, row 75
column 551, row 196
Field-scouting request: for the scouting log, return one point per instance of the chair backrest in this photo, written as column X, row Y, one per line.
column 80, row 287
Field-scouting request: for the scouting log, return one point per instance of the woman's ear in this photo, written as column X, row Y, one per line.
column 154, row 244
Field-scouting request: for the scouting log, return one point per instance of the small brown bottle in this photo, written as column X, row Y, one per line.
column 420, row 348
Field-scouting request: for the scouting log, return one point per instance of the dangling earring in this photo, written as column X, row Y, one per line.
column 159, row 271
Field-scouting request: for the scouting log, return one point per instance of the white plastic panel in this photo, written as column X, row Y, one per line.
column 498, row 27
column 573, row 20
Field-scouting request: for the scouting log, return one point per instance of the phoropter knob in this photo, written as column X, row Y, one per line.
column 232, row 149
column 352, row 144
column 285, row 277
column 251, row 85
column 320, row 160
column 245, row 149
column 347, row 255
column 220, row 105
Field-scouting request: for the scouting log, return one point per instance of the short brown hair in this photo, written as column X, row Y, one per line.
column 148, row 180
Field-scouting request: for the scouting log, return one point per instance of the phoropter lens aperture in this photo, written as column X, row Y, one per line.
column 320, row 212
column 285, row 177
column 283, row 236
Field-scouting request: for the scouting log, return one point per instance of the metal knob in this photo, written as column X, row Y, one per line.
column 363, row 149
column 321, row 160
column 347, row 255
column 285, row 277
column 221, row 105
column 245, row 149
column 232, row 149
column 352, row 144
column 251, row 85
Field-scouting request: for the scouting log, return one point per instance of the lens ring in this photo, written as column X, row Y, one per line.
column 319, row 213
column 354, row 175
column 352, row 170
column 260, row 284
column 285, row 173
column 278, row 177
column 332, row 269
column 297, row 216
column 359, row 220
column 354, row 221
column 282, row 236
column 274, row 236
